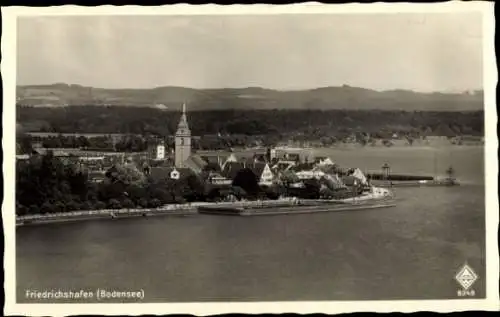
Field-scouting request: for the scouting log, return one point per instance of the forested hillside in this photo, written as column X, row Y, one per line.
column 344, row 97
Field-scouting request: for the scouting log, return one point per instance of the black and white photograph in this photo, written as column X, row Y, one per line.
column 215, row 155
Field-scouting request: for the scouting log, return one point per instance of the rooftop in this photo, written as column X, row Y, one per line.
column 231, row 169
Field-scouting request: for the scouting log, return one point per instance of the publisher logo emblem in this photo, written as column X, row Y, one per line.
column 466, row 277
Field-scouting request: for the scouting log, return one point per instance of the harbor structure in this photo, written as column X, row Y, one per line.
column 386, row 171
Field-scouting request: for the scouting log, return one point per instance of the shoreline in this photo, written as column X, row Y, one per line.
column 196, row 208
column 175, row 210
column 187, row 209
column 112, row 214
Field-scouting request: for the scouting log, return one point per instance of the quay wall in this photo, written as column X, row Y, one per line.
column 173, row 210
column 180, row 209
column 291, row 209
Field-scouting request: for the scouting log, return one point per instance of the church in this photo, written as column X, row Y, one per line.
column 182, row 144
column 184, row 162
column 182, row 141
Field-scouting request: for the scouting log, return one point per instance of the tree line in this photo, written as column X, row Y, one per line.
column 48, row 184
column 136, row 143
column 143, row 128
column 312, row 123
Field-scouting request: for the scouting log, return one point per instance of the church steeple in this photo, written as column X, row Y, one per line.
column 183, row 124
column 182, row 140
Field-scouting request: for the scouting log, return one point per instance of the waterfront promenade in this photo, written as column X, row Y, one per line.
column 80, row 215
column 166, row 210
column 243, row 208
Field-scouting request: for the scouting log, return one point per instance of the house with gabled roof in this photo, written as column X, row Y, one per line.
column 215, row 159
column 262, row 171
column 195, row 163
column 307, row 170
column 230, row 159
column 231, row 169
column 248, row 156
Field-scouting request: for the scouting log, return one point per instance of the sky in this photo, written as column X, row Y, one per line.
column 421, row 52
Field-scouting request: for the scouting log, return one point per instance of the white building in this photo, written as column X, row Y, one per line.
column 160, row 151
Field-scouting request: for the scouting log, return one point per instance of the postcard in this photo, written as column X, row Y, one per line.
column 209, row 159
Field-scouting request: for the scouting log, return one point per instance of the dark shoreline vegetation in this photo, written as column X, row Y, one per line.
column 46, row 184
column 222, row 129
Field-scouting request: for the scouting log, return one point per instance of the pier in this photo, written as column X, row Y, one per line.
column 387, row 179
column 399, row 177
column 416, row 183
column 296, row 207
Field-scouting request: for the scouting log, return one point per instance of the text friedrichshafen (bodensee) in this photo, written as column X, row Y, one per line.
column 99, row 294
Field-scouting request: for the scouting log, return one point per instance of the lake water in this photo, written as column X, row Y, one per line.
column 412, row 251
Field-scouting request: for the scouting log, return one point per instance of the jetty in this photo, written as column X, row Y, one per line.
column 399, row 177
column 387, row 179
column 416, row 183
column 270, row 208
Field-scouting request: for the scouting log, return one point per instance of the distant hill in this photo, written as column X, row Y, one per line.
column 344, row 97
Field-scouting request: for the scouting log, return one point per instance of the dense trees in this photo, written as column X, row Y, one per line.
column 232, row 128
column 47, row 184
column 247, row 180
column 127, row 174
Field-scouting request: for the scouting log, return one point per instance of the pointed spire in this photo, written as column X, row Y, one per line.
column 183, row 125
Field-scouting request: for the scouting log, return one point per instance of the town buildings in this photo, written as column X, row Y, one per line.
column 215, row 167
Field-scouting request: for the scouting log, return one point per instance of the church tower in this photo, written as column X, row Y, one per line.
column 182, row 140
